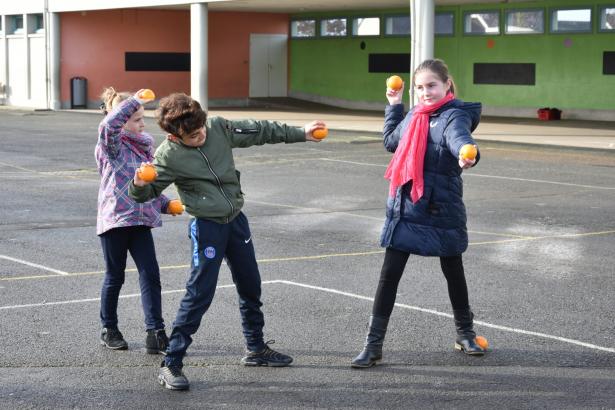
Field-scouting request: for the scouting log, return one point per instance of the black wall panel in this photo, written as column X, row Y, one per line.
column 137, row 61
column 505, row 73
column 389, row 63
column 608, row 62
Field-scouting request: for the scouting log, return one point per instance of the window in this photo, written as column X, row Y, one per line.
column 37, row 24
column 567, row 21
column 397, row 26
column 482, row 23
column 369, row 26
column 607, row 19
column 333, row 28
column 444, row 24
column 303, row 28
column 15, row 24
column 525, row 22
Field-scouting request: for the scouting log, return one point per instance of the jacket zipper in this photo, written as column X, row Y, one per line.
column 219, row 183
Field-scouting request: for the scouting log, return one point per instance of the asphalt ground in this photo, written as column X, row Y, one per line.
column 540, row 269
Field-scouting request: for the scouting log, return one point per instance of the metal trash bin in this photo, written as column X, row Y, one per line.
column 78, row 92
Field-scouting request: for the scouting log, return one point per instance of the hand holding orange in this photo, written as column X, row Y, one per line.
column 320, row 133
column 146, row 94
column 395, row 82
column 482, row 342
column 175, row 207
column 468, row 151
column 147, row 172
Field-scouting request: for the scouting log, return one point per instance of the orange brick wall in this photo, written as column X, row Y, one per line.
column 93, row 44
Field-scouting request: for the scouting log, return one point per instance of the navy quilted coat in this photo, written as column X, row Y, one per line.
column 436, row 224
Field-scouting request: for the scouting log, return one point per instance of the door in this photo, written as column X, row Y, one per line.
column 268, row 67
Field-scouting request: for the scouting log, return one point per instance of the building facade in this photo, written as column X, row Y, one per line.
column 514, row 57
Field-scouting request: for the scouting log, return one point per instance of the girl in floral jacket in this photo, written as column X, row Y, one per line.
column 124, row 225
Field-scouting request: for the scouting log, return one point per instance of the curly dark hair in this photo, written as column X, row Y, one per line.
column 180, row 115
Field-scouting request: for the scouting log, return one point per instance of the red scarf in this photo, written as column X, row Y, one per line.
column 407, row 162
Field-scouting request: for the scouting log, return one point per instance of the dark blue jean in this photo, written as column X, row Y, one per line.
column 116, row 243
column 211, row 243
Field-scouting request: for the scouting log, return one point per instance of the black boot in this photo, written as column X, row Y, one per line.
column 372, row 353
column 466, row 338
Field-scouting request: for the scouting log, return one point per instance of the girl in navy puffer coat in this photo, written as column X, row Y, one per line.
column 425, row 211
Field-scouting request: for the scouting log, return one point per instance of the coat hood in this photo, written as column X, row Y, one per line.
column 472, row 108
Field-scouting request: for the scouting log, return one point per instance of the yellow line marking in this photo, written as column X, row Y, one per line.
column 291, row 258
column 506, row 235
column 50, row 173
column 329, row 255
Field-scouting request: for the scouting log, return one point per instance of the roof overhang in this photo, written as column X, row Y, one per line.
column 269, row 6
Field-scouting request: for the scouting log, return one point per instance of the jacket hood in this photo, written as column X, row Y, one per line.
column 472, row 108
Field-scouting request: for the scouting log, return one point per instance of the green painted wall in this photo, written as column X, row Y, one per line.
column 568, row 66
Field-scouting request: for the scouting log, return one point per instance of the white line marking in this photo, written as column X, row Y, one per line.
column 472, row 174
column 34, row 265
column 448, row 315
column 338, row 292
column 132, row 295
column 541, row 181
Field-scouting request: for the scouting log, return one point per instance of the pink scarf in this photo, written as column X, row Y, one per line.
column 407, row 162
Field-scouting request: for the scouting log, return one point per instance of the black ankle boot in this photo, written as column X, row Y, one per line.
column 372, row 352
column 466, row 338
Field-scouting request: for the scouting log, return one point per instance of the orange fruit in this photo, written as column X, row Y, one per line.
column 395, row 82
column 147, row 94
column 175, row 207
column 482, row 342
column 468, row 151
column 147, row 172
column 320, row 133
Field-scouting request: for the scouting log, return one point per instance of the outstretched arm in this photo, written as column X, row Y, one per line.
column 245, row 133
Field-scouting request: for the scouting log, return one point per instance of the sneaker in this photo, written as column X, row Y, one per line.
column 156, row 342
column 172, row 377
column 266, row 357
column 113, row 339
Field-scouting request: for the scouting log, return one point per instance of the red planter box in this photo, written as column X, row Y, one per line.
column 548, row 114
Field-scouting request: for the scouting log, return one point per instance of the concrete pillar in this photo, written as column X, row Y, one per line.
column 54, row 100
column 422, row 20
column 4, row 77
column 198, row 53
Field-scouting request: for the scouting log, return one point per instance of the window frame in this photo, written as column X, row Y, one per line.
column 553, row 10
column 601, row 8
column 485, row 34
column 452, row 14
column 384, row 23
column 544, row 21
column 352, row 26
column 321, row 26
column 316, row 26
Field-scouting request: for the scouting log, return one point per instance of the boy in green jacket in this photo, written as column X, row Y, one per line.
column 198, row 158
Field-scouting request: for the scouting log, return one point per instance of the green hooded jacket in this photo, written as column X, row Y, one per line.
column 205, row 177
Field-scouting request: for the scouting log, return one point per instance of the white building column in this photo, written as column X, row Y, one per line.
column 53, row 72
column 4, row 60
column 198, row 53
column 422, row 20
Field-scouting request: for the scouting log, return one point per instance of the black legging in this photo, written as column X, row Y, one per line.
column 393, row 268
